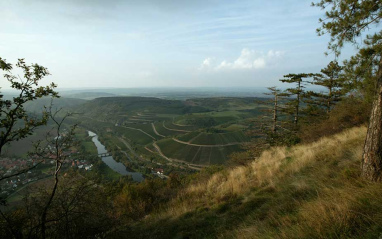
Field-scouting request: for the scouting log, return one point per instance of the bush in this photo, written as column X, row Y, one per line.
column 350, row 112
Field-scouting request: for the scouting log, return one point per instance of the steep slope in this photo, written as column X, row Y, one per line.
column 307, row 191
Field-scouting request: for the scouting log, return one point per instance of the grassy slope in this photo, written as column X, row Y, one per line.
column 307, row 191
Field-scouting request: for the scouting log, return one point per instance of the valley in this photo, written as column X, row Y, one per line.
column 147, row 134
column 185, row 135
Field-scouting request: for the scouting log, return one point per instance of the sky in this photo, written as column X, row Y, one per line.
column 164, row 43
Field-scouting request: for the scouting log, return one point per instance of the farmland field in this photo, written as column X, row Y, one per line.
column 164, row 130
column 147, row 128
column 196, row 154
column 219, row 138
column 217, row 122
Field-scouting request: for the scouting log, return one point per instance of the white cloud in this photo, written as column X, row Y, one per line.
column 206, row 63
column 259, row 63
column 248, row 59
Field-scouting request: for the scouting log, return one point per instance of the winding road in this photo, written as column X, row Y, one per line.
column 140, row 131
column 178, row 130
column 205, row 145
column 155, row 131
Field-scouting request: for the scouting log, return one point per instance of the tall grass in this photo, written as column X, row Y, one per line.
column 274, row 164
column 306, row 191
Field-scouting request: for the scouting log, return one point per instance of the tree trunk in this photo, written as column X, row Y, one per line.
column 275, row 115
column 298, row 103
column 372, row 152
column 329, row 98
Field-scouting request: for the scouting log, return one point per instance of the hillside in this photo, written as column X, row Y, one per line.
column 225, row 103
column 86, row 95
column 123, row 105
column 307, row 191
column 57, row 103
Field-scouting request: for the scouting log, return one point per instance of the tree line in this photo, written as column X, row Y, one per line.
column 346, row 21
column 291, row 105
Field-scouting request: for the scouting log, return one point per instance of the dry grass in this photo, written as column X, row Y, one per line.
column 307, row 191
column 276, row 163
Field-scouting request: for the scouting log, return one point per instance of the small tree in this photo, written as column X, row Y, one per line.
column 62, row 142
column 15, row 122
column 297, row 94
column 332, row 79
column 276, row 94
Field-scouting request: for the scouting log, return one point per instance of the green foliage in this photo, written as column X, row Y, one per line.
column 362, row 68
column 292, row 107
column 80, row 210
column 280, row 138
column 202, row 122
column 351, row 111
column 15, row 123
column 137, row 200
column 332, row 79
column 346, row 20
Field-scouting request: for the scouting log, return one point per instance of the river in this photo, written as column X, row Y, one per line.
column 109, row 161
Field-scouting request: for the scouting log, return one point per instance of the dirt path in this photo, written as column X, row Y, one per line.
column 150, row 150
column 178, row 130
column 155, row 131
column 129, row 147
column 140, row 131
column 127, row 128
column 193, row 166
column 160, row 152
column 206, row 145
column 182, row 125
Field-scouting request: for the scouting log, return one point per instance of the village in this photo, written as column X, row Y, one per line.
column 27, row 171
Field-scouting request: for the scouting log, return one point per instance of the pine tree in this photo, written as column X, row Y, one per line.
column 293, row 107
column 276, row 94
column 331, row 78
column 345, row 21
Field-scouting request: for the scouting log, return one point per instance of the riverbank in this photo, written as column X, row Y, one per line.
column 111, row 163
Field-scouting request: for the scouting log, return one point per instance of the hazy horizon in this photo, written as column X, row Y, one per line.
column 127, row 44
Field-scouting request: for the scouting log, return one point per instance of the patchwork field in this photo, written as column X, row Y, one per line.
column 198, row 131
column 215, row 138
column 196, row 154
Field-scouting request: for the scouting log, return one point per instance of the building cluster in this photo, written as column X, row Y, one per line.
column 9, row 185
column 12, row 166
column 158, row 171
column 9, row 165
column 82, row 164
